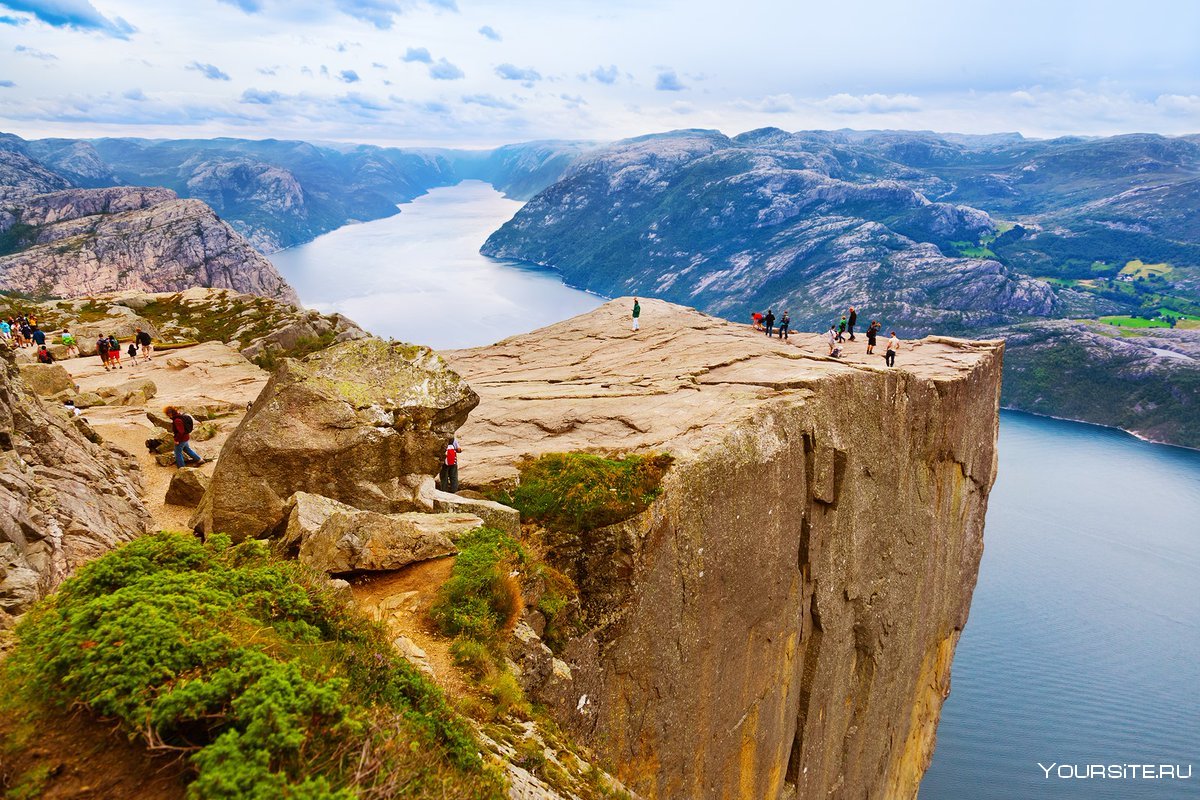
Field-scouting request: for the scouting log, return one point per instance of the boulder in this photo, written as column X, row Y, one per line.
column 187, row 487
column 364, row 422
column 136, row 392
column 88, row 400
column 47, row 380
column 494, row 515
column 337, row 538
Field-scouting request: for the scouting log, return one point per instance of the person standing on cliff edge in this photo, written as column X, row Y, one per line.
column 893, row 345
column 449, row 474
column 853, row 318
column 637, row 312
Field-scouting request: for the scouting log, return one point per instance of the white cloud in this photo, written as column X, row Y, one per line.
column 668, row 81
column 843, row 103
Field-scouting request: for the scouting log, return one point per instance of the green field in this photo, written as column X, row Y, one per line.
column 1138, row 269
column 969, row 250
column 1187, row 321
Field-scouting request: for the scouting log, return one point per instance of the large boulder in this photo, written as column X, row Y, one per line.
column 47, row 380
column 187, row 487
column 336, row 538
column 364, row 422
column 136, row 392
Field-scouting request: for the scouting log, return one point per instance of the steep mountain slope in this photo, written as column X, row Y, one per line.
column 85, row 241
column 731, row 226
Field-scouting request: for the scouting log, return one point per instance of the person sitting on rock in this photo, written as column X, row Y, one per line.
column 181, row 430
column 44, row 356
column 449, row 476
column 68, row 341
column 832, row 336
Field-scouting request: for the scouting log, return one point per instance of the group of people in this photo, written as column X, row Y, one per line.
column 839, row 332
column 108, row 348
column 23, row 331
column 766, row 323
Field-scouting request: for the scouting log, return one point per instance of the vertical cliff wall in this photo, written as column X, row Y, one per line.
column 782, row 620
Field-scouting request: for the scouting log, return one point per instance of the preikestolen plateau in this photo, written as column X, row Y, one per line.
column 670, row 401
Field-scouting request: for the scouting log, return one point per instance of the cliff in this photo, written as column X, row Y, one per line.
column 86, row 241
column 65, row 499
column 782, row 619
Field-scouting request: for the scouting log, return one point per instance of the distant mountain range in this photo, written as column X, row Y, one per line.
column 282, row 193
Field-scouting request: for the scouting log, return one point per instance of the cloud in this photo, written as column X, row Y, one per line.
column 378, row 65
column 511, row 72
column 443, row 70
column 418, row 54
column 382, row 13
column 33, row 52
column 771, row 104
column 267, row 70
column 668, row 81
column 348, row 76
column 259, row 97
column 6, row 84
column 681, row 107
column 1179, row 104
column 573, row 100
column 209, row 71
column 491, row 33
column 136, row 95
column 606, row 74
column 14, row 21
column 76, row 14
column 843, row 103
column 449, row 5
column 249, row 6
column 488, row 100
column 342, row 47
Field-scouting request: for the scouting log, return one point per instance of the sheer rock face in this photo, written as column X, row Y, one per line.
column 784, row 616
column 63, row 499
column 364, row 422
column 89, row 241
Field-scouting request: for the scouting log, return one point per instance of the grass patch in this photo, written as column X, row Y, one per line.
column 482, row 599
column 250, row 665
column 575, row 492
column 1138, row 269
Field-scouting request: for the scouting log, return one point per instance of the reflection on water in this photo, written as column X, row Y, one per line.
column 419, row 277
column 1083, row 645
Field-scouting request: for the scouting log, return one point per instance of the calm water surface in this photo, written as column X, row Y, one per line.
column 419, row 277
column 1083, row 645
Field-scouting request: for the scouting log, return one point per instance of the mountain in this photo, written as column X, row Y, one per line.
column 83, row 241
column 282, row 193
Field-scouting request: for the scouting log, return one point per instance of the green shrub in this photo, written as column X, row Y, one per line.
column 482, row 598
column 253, row 665
column 474, row 657
column 578, row 491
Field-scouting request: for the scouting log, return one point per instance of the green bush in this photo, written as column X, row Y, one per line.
column 482, row 598
column 252, row 665
column 575, row 492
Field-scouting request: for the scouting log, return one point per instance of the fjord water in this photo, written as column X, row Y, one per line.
column 418, row 276
column 1083, row 645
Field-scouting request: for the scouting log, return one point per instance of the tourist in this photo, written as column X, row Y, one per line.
column 145, row 343
column 784, row 324
column 5, row 330
column 132, row 352
column 850, row 322
column 892, row 346
column 841, row 329
column 757, row 318
column 832, row 336
column 114, row 351
column 102, row 351
column 450, row 465
column 68, row 341
column 637, row 312
column 44, row 356
column 769, row 321
column 872, row 332
column 181, row 429
column 38, row 336
column 836, row 352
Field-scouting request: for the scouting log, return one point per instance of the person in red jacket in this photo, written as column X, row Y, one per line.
column 182, row 430
column 450, row 467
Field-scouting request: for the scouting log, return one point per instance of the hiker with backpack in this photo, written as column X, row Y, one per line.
column 102, row 351
column 449, row 474
column 181, row 429
column 114, row 351
column 145, row 343
column 44, row 356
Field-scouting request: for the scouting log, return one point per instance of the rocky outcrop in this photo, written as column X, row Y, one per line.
column 364, row 422
column 48, row 380
column 187, row 487
column 89, row 241
column 63, row 499
column 337, row 538
column 783, row 617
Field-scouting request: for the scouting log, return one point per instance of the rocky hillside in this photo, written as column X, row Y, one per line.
column 65, row 497
column 735, row 225
column 78, row 242
column 780, row 619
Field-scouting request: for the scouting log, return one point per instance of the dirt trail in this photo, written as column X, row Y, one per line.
column 206, row 374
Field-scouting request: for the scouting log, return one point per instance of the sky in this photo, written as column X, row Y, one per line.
column 479, row 73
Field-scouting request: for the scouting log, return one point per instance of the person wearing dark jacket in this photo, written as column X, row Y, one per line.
column 785, row 323
column 769, row 322
column 853, row 318
column 182, row 436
